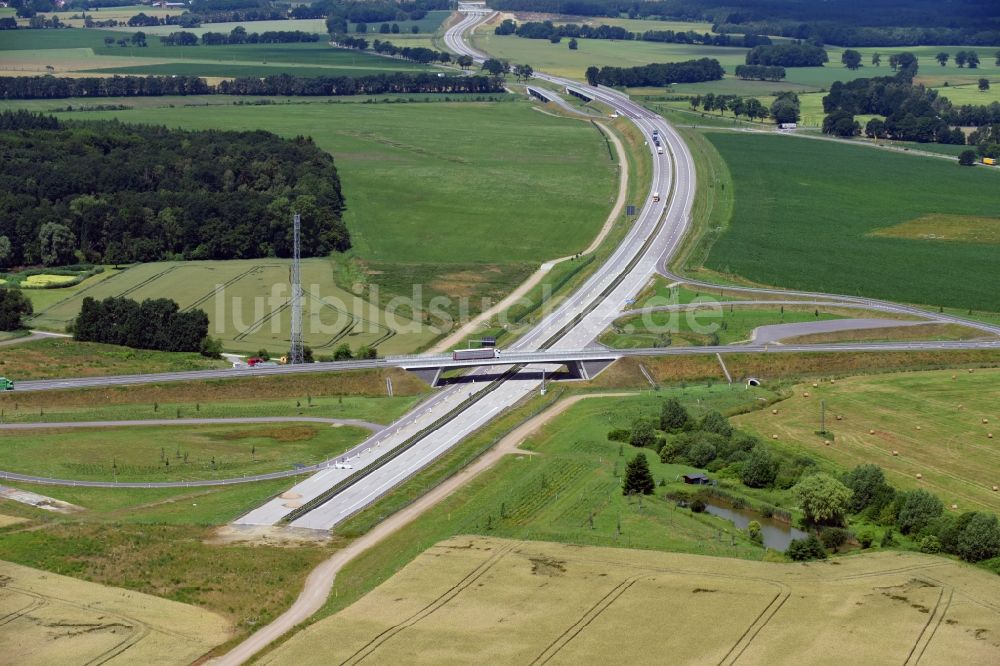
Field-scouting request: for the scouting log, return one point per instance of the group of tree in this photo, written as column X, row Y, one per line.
column 554, row 33
column 751, row 107
column 153, row 324
column 375, row 11
column 50, row 87
column 127, row 193
column 962, row 59
column 826, row 500
column 237, row 35
column 759, row 72
column 657, row 74
column 786, row 108
column 36, row 22
column 787, row 54
column 14, row 305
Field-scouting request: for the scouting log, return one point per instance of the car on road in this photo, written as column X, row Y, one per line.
column 6, row 384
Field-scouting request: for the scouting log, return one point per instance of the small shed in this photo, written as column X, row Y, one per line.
column 696, row 479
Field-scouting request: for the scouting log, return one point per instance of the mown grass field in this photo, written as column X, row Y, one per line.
column 172, row 453
column 951, row 449
column 471, row 598
column 223, row 70
column 806, row 211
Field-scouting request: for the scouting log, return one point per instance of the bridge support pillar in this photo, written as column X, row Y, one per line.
column 587, row 369
column 430, row 375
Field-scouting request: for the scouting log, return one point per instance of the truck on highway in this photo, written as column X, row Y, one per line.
column 656, row 197
column 6, row 384
column 990, row 161
column 659, row 149
column 474, row 354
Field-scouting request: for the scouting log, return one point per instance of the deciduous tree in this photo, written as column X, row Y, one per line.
column 824, row 500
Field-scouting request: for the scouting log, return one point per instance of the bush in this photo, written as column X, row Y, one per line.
column 833, row 538
column 13, row 307
column 717, row 423
column 824, row 500
column 967, row 158
column 698, row 505
column 754, row 532
column 930, row 544
column 867, row 482
column 673, row 416
column 701, row 454
column 802, row 550
column 760, row 469
column 980, row 540
column 866, row 538
column 888, row 539
column 917, row 509
column 643, row 435
column 620, row 435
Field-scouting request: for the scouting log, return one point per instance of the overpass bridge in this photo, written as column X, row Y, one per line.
column 580, row 364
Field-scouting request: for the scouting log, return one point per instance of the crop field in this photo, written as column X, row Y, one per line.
column 804, row 208
column 51, row 619
column 83, row 51
column 934, row 421
column 172, row 453
column 248, row 304
column 473, row 598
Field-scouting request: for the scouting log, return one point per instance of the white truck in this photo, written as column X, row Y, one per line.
column 475, row 354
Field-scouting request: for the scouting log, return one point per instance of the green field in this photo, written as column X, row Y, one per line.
column 504, row 601
column 165, row 453
column 383, row 409
column 425, row 205
column 805, row 213
column 223, row 70
column 951, row 449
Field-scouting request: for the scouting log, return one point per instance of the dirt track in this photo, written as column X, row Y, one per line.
column 320, row 580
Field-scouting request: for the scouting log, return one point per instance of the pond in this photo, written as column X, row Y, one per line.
column 777, row 535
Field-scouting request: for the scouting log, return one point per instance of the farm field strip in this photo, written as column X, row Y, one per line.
column 484, row 598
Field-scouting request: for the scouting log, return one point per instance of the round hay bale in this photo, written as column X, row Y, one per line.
column 774, row 437
column 815, row 385
column 774, row 411
column 970, row 371
column 954, row 507
column 989, row 435
column 871, row 432
column 839, row 417
column 985, row 421
column 954, row 376
column 806, row 394
column 895, row 453
column 918, row 427
column 919, row 475
column 289, row 495
column 292, row 505
column 996, row 488
column 827, row 442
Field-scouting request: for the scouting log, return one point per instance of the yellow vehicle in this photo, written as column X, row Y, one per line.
column 989, row 160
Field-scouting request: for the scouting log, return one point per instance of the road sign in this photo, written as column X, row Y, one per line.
column 630, row 210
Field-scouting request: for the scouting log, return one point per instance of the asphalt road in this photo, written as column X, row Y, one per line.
column 778, row 332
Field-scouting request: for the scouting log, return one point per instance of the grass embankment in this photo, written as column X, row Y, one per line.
column 65, row 357
column 709, row 325
column 803, row 209
column 932, row 420
column 172, row 453
column 516, row 601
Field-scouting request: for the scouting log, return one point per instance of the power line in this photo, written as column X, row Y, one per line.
column 296, row 355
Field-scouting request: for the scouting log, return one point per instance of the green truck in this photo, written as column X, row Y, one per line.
column 6, row 384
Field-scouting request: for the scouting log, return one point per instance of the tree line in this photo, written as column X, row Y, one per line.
column 127, row 193
column 414, row 53
column 760, row 72
column 547, row 30
column 238, row 35
column 50, row 87
column 656, row 74
column 838, row 22
column 153, row 324
column 796, row 54
column 751, row 107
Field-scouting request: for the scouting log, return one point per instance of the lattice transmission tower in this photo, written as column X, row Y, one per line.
column 296, row 355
